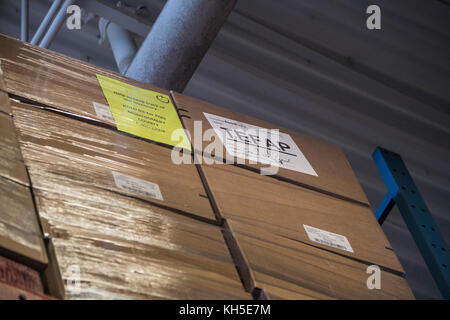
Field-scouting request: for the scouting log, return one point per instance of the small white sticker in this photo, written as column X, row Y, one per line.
column 328, row 238
column 103, row 112
column 136, row 185
column 268, row 146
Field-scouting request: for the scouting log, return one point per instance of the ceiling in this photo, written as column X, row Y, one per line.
column 314, row 67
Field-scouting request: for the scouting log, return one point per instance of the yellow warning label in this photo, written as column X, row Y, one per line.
column 143, row 113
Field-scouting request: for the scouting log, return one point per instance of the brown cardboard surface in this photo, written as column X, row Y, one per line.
column 19, row 227
column 20, row 234
column 4, row 102
column 11, row 292
column 56, row 145
column 288, row 269
column 11, row 163
column 2, row 80
column 55, row 80
column 20, row 275
column 335, row 174
column 129, row 249
column 281, row 208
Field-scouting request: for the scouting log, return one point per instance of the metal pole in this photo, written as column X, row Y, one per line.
column 122, row 44
column 24, row 9
column 56, row 25
column 44, row 24
column 403, row 192
column 177, row 42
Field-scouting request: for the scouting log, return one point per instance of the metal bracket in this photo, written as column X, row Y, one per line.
column 403, row 192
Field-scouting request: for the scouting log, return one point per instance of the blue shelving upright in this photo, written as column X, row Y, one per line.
column 403, row 192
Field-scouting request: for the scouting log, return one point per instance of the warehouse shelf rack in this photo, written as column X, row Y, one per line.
column 403, row 192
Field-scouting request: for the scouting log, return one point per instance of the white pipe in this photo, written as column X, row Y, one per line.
column 122, row 44
column 24, row 9
column 44, row 24
column 56, row 25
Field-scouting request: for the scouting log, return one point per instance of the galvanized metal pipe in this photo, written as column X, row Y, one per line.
column 24, row 9
column 177, row 42
column 56, row 25
column 122, row 44
column 45, row 22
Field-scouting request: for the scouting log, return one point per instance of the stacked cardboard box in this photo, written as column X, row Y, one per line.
column 16, row 203
column 126, row 242
column 56, row 81
column 304, row 231
column 21, row 238
column 129, row 223
column 120, row 216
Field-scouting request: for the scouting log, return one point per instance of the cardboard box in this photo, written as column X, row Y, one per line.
column 131, row 224
column 123, row 248
column 299, row 152
column 20, row 234
column 11, row 162
column 295, row 213
column 4, row 102
column 55, row 80
column 56, row 145
column 11, row 292
column 285, row 268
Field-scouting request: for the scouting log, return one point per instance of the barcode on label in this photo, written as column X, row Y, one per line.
column 329, row 243
column 136, row 185
column 137, row 190
column 328, row 238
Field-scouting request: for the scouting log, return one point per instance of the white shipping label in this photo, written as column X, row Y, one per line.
column 103, row 112
column 328, row 238
column 267, row 146
column 136, row 185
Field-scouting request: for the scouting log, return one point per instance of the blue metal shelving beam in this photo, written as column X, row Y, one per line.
column 403, row 192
